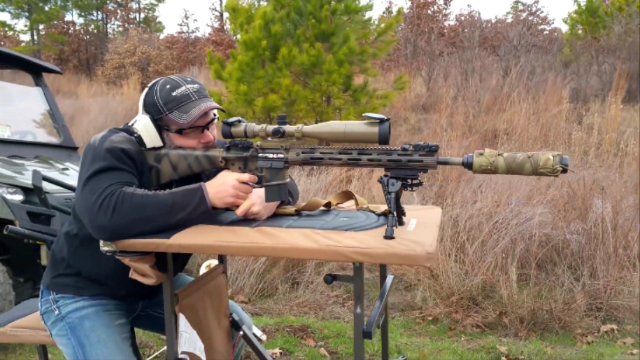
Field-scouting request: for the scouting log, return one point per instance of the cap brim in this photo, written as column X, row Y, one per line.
column 189, row 113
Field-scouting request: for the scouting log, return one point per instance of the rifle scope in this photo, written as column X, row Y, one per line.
column 375, row 131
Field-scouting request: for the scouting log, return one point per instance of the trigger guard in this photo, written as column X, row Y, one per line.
column 258, row 183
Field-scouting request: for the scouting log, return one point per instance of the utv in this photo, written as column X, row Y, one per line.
column 39, row 164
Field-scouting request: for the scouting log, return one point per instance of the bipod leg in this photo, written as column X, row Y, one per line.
column 390, row 188
column 400, row 213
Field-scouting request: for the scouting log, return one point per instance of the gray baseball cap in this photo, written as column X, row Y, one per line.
column 179, row 99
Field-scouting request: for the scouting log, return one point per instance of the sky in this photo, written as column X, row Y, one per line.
column 171, row 10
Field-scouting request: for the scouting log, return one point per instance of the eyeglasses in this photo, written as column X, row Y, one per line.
column 193, row 130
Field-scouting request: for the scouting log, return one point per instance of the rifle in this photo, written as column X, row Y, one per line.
column 279, row 148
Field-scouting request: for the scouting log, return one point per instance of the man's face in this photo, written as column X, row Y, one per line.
column 201, row 134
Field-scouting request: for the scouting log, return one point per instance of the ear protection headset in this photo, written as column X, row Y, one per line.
column 146, row 131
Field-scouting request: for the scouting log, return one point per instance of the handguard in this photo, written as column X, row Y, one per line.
column 542, row 163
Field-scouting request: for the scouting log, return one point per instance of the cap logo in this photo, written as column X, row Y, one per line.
column 185, row 88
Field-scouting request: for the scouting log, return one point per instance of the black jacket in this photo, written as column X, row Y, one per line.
column 114, row 202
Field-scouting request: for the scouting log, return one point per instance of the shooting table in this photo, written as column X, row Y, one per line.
column 298, row 237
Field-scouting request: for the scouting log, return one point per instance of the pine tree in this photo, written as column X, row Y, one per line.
column 9, row 36
column 35, row 14
column 310, row 59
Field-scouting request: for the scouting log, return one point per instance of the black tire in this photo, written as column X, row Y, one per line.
column 7, row 295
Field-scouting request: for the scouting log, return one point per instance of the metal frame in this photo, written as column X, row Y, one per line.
column 170, row 318
column 43, row 352
column 66, row 149
column 12, row 59
column 30, row 236
column 362, row 331
column 378, row 319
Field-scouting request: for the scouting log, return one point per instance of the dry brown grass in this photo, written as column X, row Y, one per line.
column 519, row 254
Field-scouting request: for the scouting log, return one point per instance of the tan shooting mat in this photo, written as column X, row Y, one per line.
column 415, row 243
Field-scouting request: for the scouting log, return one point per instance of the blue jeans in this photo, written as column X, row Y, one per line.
column 87, row 328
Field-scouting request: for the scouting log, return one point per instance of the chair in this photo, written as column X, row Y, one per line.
column 22, row 324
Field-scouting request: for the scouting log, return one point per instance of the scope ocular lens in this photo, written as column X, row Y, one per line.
column 226, row 131
column 384, row 132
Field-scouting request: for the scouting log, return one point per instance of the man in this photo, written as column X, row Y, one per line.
column 88, row 302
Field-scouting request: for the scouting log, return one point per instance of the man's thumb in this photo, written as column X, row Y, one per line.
column 247, row 178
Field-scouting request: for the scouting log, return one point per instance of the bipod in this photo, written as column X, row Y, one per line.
column 394, row 183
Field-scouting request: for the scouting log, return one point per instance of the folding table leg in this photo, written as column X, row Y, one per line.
column 43, row 352
column 222, row 260
column 358, row 310
column 249, row 339
column 384, row 326
column 378, row 317
column 168, row 295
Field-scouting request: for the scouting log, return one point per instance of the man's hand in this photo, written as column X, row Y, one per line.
column 229, row 189
column 255, row 207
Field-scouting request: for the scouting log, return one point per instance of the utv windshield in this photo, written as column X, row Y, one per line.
column 24, row 112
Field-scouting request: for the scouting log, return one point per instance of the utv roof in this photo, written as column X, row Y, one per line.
column 10, row 59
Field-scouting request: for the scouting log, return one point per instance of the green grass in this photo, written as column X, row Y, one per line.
column 427, row 341
column 306, row 338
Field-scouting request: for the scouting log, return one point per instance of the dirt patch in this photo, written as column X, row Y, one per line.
column 146, row 346
column 332, row 305
column 302, row 332
column 298, row 331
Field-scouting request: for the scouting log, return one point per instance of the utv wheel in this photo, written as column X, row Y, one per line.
column 7, row 296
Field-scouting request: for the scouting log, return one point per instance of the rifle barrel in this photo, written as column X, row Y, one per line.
column 450, row 161
column 167, row 165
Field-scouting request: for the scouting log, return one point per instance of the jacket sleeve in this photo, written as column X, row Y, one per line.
column 113, row 205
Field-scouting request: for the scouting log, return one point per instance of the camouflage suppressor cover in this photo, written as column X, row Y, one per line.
column 542, row 163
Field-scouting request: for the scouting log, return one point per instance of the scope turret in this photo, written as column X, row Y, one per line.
column 374, row 131
column 282, row 120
